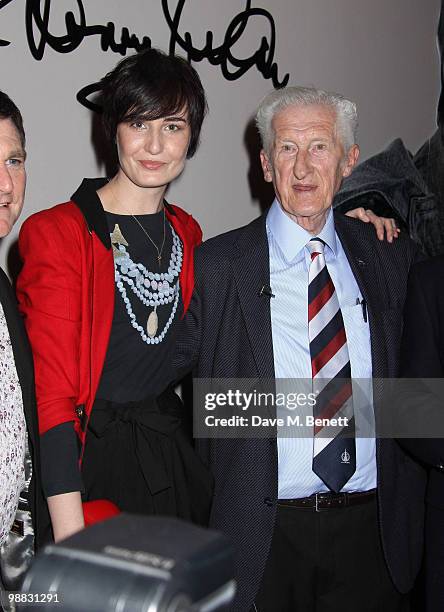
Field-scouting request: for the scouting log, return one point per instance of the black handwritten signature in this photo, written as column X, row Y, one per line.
column 37, row 17
column 3, row 3
column 262, row 58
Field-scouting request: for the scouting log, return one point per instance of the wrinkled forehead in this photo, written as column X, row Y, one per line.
column 305, row 121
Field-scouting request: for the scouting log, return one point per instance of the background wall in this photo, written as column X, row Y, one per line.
column 381, row 54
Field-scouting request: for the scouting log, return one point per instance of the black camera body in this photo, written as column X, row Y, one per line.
column 133, row 563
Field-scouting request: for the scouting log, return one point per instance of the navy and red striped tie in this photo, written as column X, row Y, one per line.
column 334, row 449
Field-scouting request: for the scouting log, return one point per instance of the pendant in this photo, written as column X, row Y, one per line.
column 117, row 254
column 152, row 324
column 117, row 237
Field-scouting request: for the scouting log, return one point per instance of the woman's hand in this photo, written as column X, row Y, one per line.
column 66, row 514
column 381, row 224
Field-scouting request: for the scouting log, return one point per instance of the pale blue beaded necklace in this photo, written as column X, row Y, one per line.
column 151, row 288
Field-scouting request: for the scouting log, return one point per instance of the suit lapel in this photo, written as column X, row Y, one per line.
column 251, row 267
column 361, row 257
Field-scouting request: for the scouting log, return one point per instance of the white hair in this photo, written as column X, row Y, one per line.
column 345, row 111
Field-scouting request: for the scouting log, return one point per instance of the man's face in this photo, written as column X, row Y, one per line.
column 12, row 176
column 306, row 163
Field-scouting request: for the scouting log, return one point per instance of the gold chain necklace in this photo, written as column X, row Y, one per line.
column 159, row 251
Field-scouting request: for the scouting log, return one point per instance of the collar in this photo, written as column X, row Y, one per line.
column 291, row 237
column 89, row 203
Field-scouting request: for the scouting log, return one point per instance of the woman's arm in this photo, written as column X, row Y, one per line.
column 49, row 294
column 66, row 514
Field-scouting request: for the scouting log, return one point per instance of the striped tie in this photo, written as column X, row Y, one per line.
column 334, row 452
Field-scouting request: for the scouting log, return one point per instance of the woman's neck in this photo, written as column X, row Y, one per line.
column 122, row 197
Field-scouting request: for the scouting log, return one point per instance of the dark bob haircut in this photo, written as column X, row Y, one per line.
column 8, row 110
column 150, row 85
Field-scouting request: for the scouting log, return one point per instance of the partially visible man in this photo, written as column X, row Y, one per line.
column 422, row 357
column 331, row 522
column 22, row 506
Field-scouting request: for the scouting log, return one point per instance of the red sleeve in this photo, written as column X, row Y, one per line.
column 190, row 234
column 49, row 295
column 196, row 231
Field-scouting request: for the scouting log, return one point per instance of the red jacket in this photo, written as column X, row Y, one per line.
column 66, row 294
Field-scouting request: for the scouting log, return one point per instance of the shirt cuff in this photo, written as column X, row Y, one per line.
column 59, row 449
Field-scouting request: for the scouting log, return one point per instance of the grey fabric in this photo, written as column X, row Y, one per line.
column 429, row 161
column 391, row 185
column 227, row 334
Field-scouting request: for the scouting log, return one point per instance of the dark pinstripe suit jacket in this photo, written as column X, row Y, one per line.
column 226, row 333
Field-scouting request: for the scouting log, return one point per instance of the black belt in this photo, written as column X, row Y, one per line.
column 325, row 501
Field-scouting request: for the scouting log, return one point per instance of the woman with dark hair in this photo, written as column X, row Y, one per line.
column 105, row 278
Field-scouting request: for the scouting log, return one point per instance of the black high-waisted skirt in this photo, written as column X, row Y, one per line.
column 139, row 456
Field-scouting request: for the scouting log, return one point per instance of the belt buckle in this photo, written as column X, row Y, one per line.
column 318, row 500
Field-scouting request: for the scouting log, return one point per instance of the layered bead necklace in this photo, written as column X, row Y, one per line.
column 151, row 288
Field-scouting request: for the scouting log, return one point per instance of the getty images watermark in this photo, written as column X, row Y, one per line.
column 255, row 400
column 249, row 408
column 259, row 408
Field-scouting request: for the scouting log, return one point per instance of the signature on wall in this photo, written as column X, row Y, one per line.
column 39, row 37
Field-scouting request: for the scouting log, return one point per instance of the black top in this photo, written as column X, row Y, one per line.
column 134, row 369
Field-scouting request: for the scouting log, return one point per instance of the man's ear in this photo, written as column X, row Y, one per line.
column 351, row 160
column 266, row 167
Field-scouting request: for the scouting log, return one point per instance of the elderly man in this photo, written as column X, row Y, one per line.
column 22, row 506
column 329, row 522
